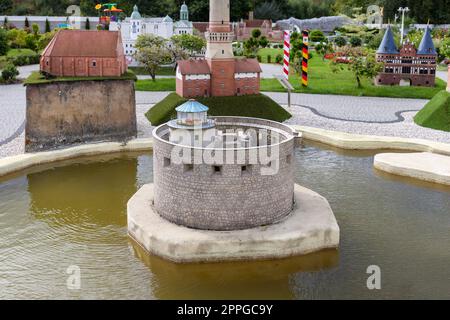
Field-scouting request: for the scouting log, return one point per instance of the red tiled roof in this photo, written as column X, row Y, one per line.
column 247, row 66
column 201, row 26
column 82, row 43
column 256, row 23
column 192, row 66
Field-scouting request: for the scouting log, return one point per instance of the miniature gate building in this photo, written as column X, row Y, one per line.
column 407, row 66
column 220, row 73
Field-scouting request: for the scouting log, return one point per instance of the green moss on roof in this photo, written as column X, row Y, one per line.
column 37, row 78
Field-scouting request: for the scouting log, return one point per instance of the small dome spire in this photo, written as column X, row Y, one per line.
column 184, row 7
column 135, row 15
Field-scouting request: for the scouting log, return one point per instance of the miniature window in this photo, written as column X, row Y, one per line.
column 217, row 169
column 94, row 63
column 223, row 51
column 289, row 159
column 188, row 168
column 166, row 162
column 246, row 170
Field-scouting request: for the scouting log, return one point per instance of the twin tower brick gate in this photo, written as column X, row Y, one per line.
column 305, row 56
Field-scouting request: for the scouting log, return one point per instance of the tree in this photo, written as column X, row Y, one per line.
column 10, row 73
column 361, row 63
column 27, row 24
column 340, row 41
column 47, row 26
column 355, row 41
column 5, row 23
column 269, row 10
column 88, row 24
column 17, row 38
column 151, row 53
column 4, row 47
column 444, row 49
column 188, row 42
column 45, row 39
column 263, row 42
column 6, row 6
column 256, row 33
column 35, row 29
column 317, row 36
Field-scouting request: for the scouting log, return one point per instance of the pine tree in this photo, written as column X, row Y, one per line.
column 47, row 26
column 5, row 23
column 88, row 24
column 27, row 24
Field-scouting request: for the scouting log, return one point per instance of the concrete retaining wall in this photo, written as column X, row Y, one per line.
column 64, row 113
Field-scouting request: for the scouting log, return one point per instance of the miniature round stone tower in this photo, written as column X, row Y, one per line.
column 224, row 189
column 235, row 173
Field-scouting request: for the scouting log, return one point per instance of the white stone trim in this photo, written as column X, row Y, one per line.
column 198, row 77
column 245, row 75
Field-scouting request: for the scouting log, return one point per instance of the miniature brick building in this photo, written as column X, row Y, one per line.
column 76, row 53
column 220, row 73
column 407, row 66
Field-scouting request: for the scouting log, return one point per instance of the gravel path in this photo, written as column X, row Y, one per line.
column 361, row 115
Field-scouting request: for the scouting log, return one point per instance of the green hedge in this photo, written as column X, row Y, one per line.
column 257, row 106
column 436, row 113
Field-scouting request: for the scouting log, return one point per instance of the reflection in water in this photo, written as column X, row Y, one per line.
column 231, row 280
column 76, row 194
column 75, row 214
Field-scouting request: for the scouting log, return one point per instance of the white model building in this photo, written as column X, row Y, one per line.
column 136, row 25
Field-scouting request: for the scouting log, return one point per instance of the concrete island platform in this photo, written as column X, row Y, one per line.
column 310, row 227
column 430, row 167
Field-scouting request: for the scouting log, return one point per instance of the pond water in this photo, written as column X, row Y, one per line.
column 74, row 214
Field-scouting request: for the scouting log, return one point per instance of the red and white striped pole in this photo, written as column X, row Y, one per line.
column 287, row 53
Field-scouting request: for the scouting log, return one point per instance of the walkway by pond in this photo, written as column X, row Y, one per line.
column 361, row 115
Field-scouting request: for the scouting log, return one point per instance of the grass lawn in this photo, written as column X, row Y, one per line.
column 436, row 113
column 265, row 52
column 258, row 106
column 19, row 52
column 37, row 78
column 323, row 81
column 165, row 84
column 441, row 67
column 162, row 71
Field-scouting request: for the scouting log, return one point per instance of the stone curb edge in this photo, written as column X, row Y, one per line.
column 341, row 140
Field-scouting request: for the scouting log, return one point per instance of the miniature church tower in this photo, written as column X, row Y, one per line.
column 219, row 50
column 135, row 22
column 184, row 12
column 220, row 73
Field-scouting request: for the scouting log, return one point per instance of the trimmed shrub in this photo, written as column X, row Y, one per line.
column 10, row 73
column 259, row 58
column 279, row 58
column 269, row 58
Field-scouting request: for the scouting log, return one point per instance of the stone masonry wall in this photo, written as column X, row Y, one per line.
column 232, row 199
column 64, row 113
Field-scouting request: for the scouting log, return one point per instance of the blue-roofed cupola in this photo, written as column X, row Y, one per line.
column 192, row 114
column 426, row 45
column 387, row 45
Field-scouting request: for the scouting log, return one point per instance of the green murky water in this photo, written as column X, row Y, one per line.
column 75, row 215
